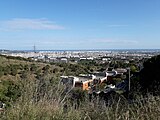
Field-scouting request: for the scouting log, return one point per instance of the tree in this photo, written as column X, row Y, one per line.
column 133, row 68
column 150, row 75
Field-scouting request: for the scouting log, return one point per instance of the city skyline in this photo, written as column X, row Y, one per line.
column 79, row 24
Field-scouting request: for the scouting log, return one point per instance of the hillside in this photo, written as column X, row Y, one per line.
column 31, row 90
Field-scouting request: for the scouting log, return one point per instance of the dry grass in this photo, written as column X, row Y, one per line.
column 52, row 108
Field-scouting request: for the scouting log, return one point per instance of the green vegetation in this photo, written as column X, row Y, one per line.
column 150, row 75
column 54, row 105
column 31, row 90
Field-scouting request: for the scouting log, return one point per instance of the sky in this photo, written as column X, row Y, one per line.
column 79, row 24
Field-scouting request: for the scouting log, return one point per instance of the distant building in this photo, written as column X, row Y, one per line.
column 120, row 70
column 63, row 60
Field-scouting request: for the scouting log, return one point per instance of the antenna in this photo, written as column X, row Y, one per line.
column 34, row 47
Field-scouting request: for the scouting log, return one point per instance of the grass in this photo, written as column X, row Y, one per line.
column 52, row 108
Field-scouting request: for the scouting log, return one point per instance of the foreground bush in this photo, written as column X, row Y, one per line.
column 54, row 105
column 52, row 110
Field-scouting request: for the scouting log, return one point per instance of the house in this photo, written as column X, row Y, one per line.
column 121, row 70
column 83, row 81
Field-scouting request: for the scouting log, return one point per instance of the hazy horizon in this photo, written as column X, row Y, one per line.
column 31, row 50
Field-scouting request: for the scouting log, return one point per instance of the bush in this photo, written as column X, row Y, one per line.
column 1, row 71
column 9, row 91
column 150, row 75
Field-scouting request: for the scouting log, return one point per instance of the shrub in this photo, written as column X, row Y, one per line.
column 150, row 75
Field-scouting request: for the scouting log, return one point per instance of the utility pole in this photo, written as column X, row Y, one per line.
column 129, row 81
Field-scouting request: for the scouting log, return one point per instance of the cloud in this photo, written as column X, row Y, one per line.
column 29, row 24
column 111, row 41
column 56, row 42
column 117, row 25
column 87, row 41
